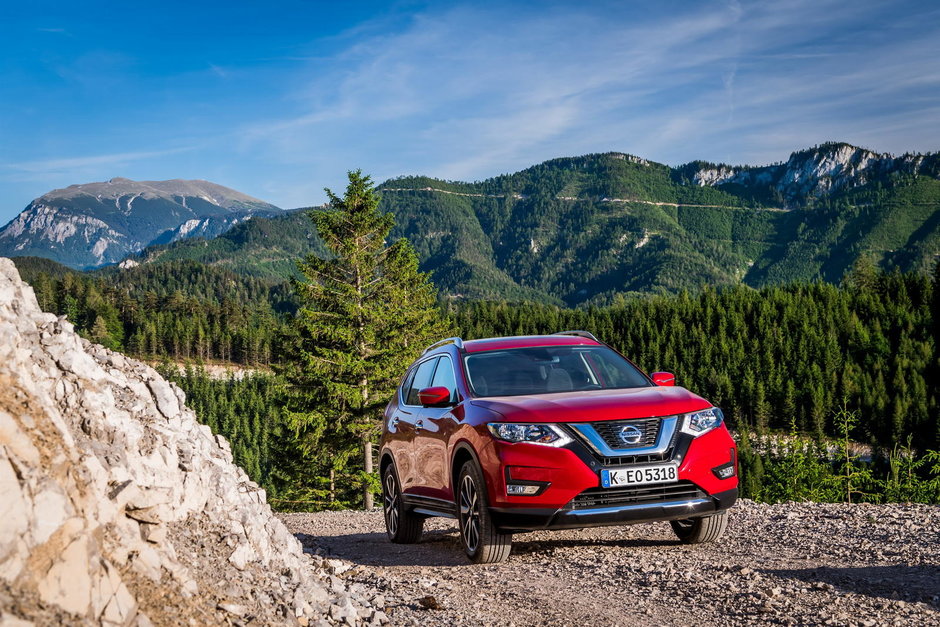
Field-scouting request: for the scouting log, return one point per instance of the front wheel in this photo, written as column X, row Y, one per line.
column 701, row 530
column 402, row 525
column 482, row 542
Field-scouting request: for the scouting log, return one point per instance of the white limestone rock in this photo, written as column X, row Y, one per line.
column 110, row 487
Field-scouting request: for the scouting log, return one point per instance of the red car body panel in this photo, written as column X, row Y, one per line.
column 709, row 451
column 432, row 452
column 426, row 445
column 568, row 476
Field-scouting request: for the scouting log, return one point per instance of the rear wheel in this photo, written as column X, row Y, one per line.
column 402, row 526
column 701, row 530
column 482, row 542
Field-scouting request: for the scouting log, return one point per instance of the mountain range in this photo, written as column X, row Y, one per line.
column 94, row 224
column 584, row 229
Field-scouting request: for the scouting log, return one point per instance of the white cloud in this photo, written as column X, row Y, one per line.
column 82, row 168
column 470, row 92
column 473, row 90
column 74, row 165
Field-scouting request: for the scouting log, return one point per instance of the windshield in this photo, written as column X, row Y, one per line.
column 550, row 369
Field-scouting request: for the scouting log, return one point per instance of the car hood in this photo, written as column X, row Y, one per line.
column 595, row 405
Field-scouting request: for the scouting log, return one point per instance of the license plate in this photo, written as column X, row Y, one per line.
column 662, row 473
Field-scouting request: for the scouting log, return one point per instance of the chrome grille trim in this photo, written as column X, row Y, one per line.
column 638, row 495
column 664, row 437
column 684, row 506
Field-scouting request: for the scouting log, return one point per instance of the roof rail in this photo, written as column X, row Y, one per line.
column 586, row 334
column 451, row 340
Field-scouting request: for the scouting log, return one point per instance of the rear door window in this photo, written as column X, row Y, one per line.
column 406, row 384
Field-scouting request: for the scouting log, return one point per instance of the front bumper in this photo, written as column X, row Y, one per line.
column 510, row 519
column 571, row 496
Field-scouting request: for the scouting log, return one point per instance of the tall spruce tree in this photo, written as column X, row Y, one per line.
column 934, row 370
column 365, row 312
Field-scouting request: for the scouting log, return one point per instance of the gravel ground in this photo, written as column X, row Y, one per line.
column 790, row 564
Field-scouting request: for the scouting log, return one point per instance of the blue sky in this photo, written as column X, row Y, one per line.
column 279, row 99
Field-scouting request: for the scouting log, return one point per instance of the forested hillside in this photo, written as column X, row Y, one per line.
column 814, row 317
column 780, row 359
column 265, row 247
column 182, row 310
column 776, row 355
column 776, row 359
column 582, row 230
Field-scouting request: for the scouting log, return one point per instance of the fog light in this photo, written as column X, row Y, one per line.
column 515, row 489
column 725, row 471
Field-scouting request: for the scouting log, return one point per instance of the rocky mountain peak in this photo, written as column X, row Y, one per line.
column 93, row 224
column 119, row 508
column 218, row 195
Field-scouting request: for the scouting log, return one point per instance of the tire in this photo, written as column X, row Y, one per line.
column 701, row 530
column 401, row 525
column 481, row 541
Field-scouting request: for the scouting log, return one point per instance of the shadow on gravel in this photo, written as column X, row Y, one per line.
column 442, row 547
column 898, row 582
column 437, row 548
column 521, row 547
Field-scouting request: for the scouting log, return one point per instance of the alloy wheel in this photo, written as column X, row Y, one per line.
column 391, row 504
column 469, row 513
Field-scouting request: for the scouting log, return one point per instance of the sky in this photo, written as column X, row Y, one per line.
column 281, row 99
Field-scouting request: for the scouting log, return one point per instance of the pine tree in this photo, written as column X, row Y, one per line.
column 863, row 275
column 934, row 370
column 99, row 332
column 364, row 313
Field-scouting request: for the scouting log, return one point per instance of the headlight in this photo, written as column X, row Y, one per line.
column 703, row 421
column 549, row 435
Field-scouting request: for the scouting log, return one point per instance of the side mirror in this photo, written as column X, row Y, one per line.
column 434, row 397
column 663, row 378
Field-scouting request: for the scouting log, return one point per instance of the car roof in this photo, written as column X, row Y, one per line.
column 525, row 341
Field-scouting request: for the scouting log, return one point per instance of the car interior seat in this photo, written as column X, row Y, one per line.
column 558, row 381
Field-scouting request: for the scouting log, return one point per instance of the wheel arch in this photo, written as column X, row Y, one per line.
column 385, row 461
column 463, row 453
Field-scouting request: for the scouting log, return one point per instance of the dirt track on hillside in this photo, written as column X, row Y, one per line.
column 778, row 564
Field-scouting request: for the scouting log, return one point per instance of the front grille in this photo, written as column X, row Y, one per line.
column 610, row 432
column 610, row 497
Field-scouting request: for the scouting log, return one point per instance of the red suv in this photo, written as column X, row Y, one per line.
column 549, row 432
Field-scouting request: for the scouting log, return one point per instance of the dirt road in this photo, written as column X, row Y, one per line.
column 778, row 564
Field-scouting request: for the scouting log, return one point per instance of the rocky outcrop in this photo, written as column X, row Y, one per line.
column 55, row 229
column 118, row 508
column 713, row 175
column 814, row 173
column 206, row 228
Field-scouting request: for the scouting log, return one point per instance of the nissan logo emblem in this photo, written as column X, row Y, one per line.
column 630, row 435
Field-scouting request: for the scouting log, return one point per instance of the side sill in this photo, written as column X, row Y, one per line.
column 430, row 506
